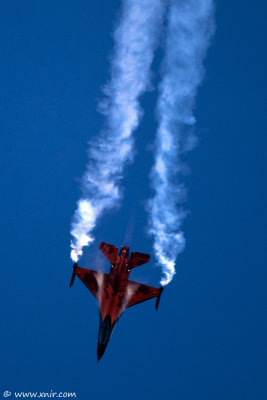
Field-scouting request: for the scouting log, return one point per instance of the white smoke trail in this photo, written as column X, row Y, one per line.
column 135, row 41
column 190, row 25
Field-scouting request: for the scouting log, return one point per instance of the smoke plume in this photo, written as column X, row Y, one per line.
column 190, row 25
column 135, row 40
column 188, row 32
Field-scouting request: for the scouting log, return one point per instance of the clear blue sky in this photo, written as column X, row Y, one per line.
column 208, row 339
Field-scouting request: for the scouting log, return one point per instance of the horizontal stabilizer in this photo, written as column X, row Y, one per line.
column 138, row 259
column 109, row 251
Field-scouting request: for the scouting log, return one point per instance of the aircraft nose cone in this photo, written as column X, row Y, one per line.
column 100, row 350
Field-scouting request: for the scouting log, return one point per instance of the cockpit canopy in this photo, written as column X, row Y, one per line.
column 105, row 331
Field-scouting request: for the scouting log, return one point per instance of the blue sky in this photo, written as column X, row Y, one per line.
column 208, row 339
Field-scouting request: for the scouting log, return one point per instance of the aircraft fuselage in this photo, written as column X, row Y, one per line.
column 114, row 291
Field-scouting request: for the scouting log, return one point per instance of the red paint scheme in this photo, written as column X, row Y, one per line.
column 111, row 289
column 114, row 291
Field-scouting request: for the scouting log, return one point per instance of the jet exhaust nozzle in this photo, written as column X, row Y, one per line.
column 75, row 266
column 158, row 298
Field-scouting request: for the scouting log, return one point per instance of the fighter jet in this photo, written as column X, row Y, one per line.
column 114, row 291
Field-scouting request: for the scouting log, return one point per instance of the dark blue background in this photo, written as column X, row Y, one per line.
column 208, row 339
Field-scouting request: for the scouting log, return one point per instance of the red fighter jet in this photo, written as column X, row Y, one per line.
column 114, row 291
